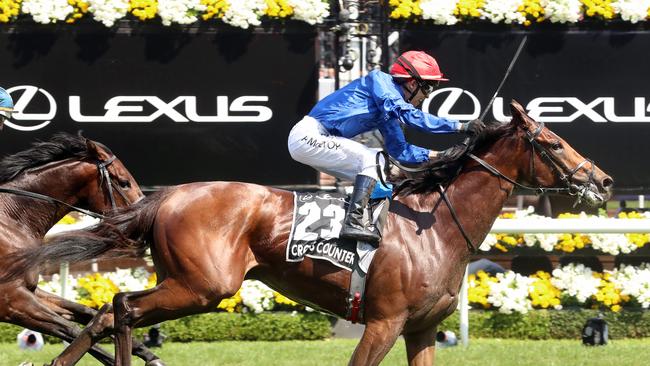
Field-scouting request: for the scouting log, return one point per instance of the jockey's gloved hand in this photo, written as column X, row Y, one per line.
column 474, row 127
column 451, row 154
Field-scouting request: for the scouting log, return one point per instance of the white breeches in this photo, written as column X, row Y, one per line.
column 311, row 144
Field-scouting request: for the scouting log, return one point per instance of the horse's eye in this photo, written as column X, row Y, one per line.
column 556, row 146
column 124, row 183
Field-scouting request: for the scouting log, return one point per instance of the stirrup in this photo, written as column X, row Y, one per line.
column 366, row 234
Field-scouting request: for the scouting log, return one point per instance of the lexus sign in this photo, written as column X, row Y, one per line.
column 449, row 102
column 131, row 109
column 588, row 86
column 174, row 106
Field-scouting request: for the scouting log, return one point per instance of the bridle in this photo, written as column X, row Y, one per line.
column 558, row 168
column 105, row 179
column 110, row 184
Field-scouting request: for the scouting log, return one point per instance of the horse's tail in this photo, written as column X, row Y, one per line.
column 125, row 233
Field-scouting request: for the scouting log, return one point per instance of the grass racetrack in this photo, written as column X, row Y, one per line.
column 482, row 352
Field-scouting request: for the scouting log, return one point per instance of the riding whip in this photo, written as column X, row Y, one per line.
column 468, row 139
column 512, row 64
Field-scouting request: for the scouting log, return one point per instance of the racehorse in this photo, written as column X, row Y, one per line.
column 39, row 186
column 206, row 238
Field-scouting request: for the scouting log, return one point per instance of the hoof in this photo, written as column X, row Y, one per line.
column 27, row 364
column 156, row 362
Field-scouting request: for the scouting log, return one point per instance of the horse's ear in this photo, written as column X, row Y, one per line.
column 518, row 112
column 93, row 149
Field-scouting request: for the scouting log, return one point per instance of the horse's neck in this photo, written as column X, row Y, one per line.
column 477, row 196
column 60, row 181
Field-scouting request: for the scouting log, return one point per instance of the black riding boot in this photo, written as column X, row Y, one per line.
column 354, row 226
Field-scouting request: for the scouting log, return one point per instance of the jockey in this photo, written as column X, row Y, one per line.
column 6, row 107
column 378, row 101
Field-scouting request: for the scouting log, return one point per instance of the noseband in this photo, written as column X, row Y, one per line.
column 558, row 167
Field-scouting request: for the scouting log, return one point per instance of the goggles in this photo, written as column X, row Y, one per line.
column 429, row 86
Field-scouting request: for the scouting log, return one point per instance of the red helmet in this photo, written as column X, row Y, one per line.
column 425, row 66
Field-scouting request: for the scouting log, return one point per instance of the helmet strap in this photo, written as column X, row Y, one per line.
column 413, row 72
column 412, row 93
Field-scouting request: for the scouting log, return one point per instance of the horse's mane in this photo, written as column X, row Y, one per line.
column 58, row 147
column 428, row 180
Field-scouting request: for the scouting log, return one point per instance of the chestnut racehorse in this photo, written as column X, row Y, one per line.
column 206, row 238
column 39, row 186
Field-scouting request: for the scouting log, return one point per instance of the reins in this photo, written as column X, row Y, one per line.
column 104, row 176
column 557, row 166
column 42, row 197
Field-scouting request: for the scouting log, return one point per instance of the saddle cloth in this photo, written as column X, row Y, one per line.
column 317, row 221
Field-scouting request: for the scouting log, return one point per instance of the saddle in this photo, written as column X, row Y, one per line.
column 318, row 218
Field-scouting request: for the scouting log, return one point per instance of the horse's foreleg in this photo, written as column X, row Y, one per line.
column 21, row 307
column 420, row 347
column 66, row 308
column 86, row 339
column 378, row 338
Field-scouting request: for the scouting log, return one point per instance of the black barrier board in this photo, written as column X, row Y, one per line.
column 590, row 87
column 176, row 105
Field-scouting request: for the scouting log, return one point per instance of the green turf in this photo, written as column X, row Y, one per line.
column 483, row 352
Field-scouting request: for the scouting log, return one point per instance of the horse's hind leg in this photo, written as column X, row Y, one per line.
column 21, row 307
column 171, row 299
column 100, row 326
column 420, row 347
column 378, row 338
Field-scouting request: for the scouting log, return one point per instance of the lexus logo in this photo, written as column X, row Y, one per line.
column 25, row 118
column 453, row 98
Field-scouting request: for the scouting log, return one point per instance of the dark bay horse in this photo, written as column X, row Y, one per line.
column 70, row 170
column 206, row 238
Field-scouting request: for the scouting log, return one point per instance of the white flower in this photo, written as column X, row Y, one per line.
column 256, row 296
column 47, row 11
column 613, row 244
column 108, row 11
column 54, row 286
column 529, row 212
column 310, row 11
column 510, row 293
column 562, row 11
column 179, row 11
column 576, row 280
column 545, row 241
column 244, row 13
column 634, row 281
column 129, row 279
column 440, row 11
column 488, row 243
column 632, row 10
column 505, row 11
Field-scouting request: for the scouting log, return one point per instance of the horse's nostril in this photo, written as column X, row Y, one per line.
column 608, row 182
